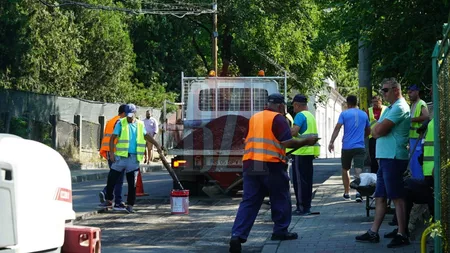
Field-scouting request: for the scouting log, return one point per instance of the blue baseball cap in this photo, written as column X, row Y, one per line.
column 414, row 88
column 276, row 98
column 300, row 98
column 130, row 110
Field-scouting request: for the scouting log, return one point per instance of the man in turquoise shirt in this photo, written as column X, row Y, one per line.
column 392, row 134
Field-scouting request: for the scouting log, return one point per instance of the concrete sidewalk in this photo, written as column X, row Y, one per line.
column 334, row 230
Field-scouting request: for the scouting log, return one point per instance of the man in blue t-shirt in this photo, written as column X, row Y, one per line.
column 356, row 128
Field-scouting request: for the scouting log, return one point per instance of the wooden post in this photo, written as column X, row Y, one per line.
column 101, row 120
column 78, row 120
column 54, row 122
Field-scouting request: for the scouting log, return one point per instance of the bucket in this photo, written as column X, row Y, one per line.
column 179, row 201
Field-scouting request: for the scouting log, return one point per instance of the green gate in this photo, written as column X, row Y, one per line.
column 441, row 114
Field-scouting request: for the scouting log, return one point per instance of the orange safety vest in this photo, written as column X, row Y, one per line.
column 260, row 143
column 109, row 129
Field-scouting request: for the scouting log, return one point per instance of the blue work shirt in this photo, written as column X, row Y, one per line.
column 393, row 145
column 300, row 121
column 132, row 133
column 355, row 122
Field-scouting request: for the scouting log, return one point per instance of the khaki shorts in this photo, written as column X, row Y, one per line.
column 356, row 154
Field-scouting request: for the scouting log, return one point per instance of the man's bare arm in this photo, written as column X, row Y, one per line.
column 337, row 128
column 367, row 131
column 424, row 115
column 149, row 138
column 111, row 147
column 382, row 129
column 295, row 130
column 298, row 143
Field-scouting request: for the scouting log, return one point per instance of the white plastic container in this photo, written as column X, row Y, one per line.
column 35, row 196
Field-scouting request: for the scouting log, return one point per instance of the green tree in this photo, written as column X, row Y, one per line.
column 41, row 48
column 402, row 34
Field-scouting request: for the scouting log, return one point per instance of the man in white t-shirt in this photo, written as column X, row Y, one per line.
column 151, row 126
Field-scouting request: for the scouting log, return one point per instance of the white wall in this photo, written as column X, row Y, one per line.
column 327, row 115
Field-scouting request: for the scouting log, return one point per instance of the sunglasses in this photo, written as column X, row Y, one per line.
column 385, row 89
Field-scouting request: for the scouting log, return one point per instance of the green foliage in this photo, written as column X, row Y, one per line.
column 402, row 34
column 19, row 127
column 114, row 57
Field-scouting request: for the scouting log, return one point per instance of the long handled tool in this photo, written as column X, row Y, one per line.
column 170, row 170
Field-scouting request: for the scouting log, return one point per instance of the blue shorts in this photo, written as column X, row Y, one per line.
column 128, row 164
column 390, row 179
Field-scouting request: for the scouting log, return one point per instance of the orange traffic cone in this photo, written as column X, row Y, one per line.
column 139, row 186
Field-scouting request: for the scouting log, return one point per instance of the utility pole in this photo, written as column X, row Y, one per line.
column 364, row 72
column 214, row 37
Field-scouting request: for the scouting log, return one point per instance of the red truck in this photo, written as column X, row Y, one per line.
column 215, row 112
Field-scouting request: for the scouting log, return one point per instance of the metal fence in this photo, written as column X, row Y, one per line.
column 441, row 114
column 58, row 121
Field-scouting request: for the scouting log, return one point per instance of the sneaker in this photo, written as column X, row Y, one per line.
column 346, row 196
column 284, row 237
column 358, row 197
column 369, row 236
column 130, row 209
column 235, row 245
column 391, row 234
column 101, row 196
column 399, row 241
column 301, row 213
column 106, row 204
column 119, row 207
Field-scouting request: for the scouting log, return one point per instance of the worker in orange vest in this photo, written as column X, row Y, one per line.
column 104, row 151
column 265, row 170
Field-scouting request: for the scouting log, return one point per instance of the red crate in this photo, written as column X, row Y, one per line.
column 79, row 239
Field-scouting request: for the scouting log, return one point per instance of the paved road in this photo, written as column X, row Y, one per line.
column 154, row 229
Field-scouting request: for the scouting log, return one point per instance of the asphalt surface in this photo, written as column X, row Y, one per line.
column 154, row 229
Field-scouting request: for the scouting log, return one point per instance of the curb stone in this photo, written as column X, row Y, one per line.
column 104, row 173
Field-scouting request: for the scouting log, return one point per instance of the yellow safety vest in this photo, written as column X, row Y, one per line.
column 310, row 131
column 416, row 109
column 428, row 150
column 124, row 140
column 372, row 119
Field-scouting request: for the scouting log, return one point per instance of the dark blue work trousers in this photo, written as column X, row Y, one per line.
column 302, row 175
column 117, row 187
column 276, row 182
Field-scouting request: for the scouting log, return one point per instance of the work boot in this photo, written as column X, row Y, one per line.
column 235, row 245
column 284, row 237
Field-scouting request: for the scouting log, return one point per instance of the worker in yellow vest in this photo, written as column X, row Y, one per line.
column 104, row 152
column 374, row 114
column 129, row 152
column 420, row 191
column 302, row 167
column 419, row 114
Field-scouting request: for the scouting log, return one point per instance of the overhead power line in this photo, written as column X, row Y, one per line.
column 178, row 10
